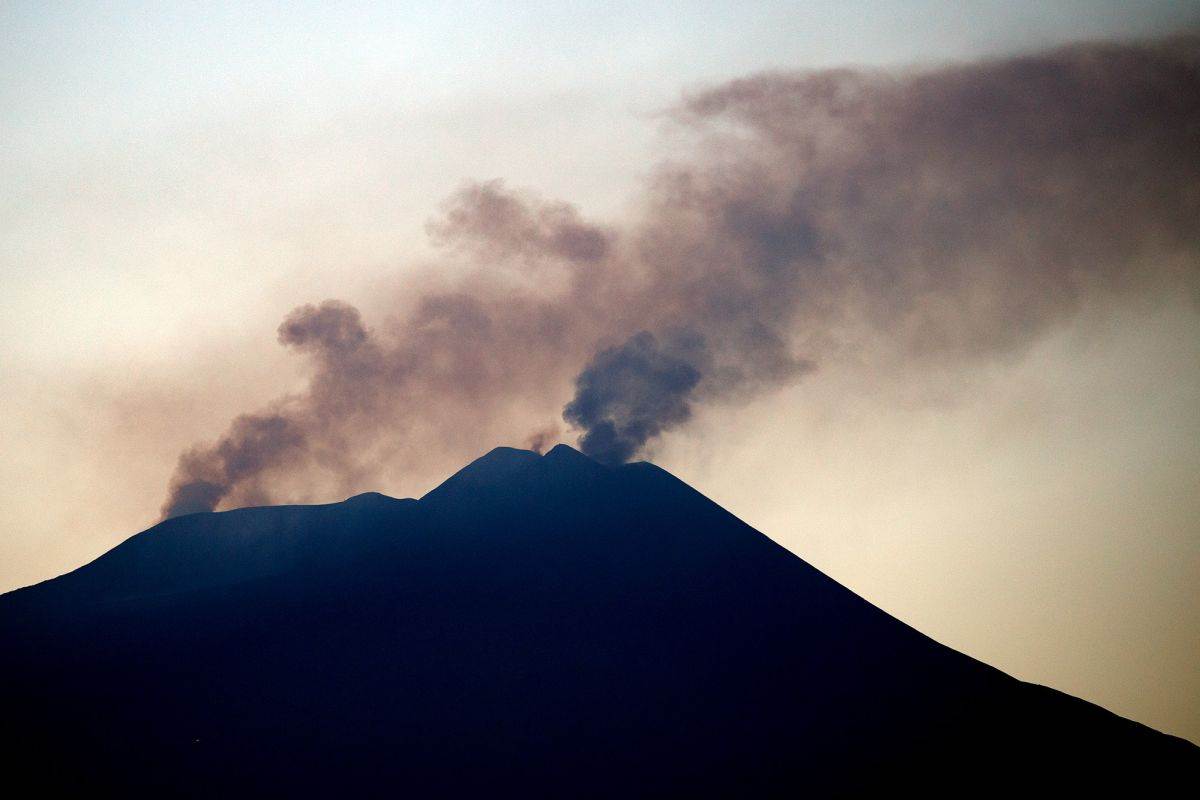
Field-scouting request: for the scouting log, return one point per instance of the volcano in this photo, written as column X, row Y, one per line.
column 541, row 625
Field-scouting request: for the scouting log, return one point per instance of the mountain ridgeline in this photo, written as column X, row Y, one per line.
column 536, row 624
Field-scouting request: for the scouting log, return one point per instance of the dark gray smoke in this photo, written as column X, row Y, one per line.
column 938, row 217
column 629, row 394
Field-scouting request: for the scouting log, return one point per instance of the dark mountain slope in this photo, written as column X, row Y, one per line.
column 540, row 624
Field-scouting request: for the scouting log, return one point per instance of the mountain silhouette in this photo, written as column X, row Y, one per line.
column 541, row 625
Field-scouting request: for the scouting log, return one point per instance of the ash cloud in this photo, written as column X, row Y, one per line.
column 254, row 442
column 627, row 395
column 940, row 216
column 491, row 220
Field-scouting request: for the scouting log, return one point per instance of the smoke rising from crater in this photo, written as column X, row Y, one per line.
column 629, row 394
column 944, row 215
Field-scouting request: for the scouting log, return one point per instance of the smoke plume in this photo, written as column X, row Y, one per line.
column 944, row 215
column 629, row 394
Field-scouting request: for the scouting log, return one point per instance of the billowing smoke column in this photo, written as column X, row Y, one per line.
column 942, row 216
column 629, row 394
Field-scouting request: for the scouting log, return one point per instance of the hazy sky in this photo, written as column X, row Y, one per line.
column 178, row 177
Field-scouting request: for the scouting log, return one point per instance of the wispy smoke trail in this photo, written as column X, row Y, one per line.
column 540, row 440
column 950, row 214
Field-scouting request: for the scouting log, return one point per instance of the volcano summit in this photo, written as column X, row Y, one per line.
column 538, row 624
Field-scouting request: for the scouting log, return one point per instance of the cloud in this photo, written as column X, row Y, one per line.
column 942, row 216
